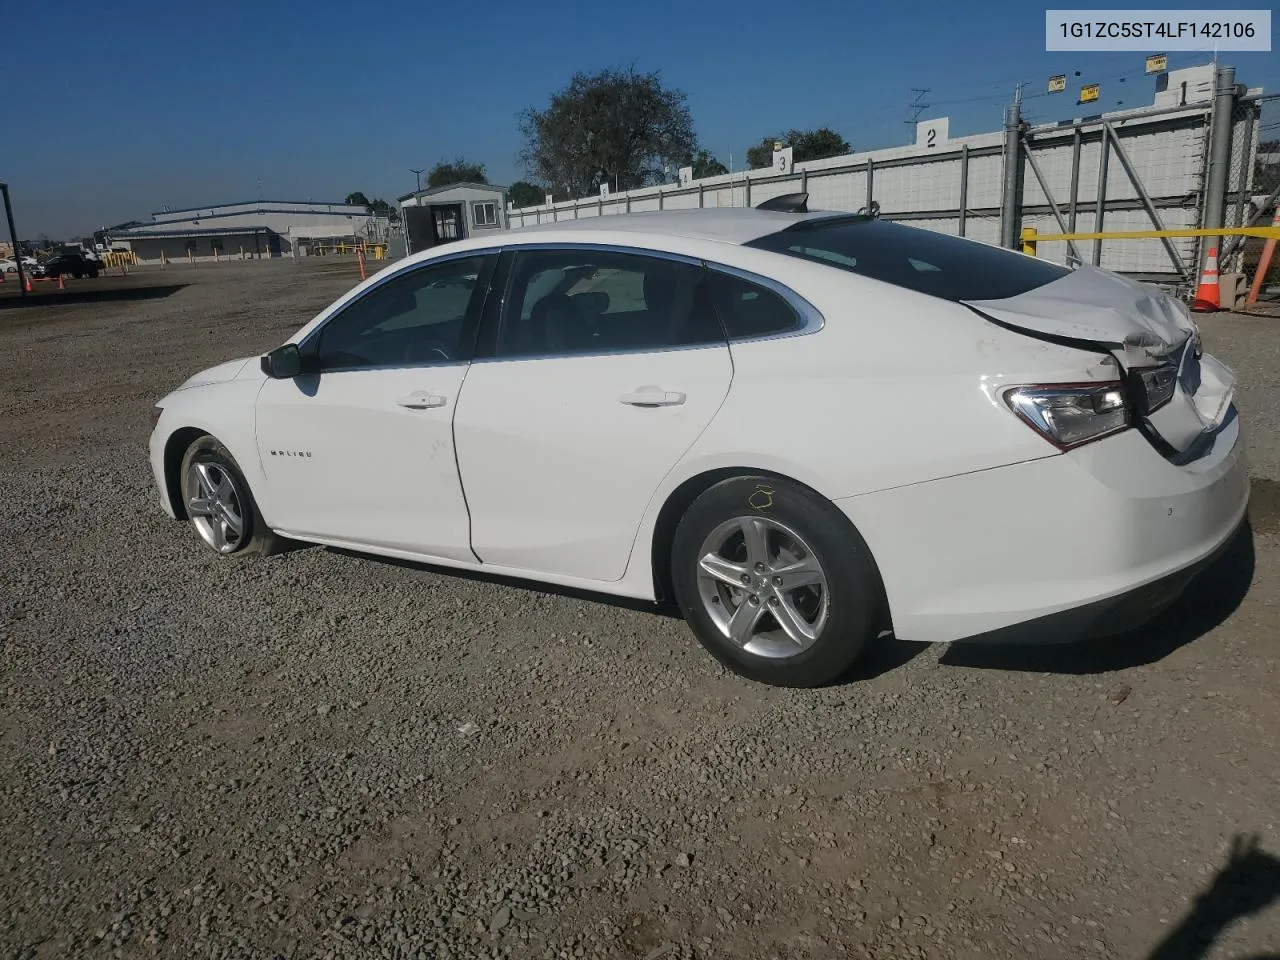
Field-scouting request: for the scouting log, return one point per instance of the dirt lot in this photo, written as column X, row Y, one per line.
column 327, row 755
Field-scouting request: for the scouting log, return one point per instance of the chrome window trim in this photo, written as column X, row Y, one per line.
column 394, row 275
column 810, row 319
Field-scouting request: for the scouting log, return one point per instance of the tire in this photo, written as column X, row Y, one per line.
column 210, row 474
column 830, row 594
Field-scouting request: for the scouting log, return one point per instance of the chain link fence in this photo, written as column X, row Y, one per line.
column 1253, row 183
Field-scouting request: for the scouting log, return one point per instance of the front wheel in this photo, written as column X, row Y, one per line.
column 218, row 502
column 776, row 582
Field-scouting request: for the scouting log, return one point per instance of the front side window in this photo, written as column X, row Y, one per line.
column 419, row 317
column 484, row 214
column 925, row 261
column 584, row 301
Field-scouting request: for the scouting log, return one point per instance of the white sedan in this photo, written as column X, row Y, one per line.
column 805, row 429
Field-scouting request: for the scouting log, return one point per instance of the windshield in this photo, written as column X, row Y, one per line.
column 921, row 260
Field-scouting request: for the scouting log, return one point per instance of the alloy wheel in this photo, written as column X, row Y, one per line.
column 215, row 506
column 763, row 587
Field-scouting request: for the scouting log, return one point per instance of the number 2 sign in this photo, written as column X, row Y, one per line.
column 932, row 134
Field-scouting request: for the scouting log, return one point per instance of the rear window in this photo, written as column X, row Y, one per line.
column 921, row 260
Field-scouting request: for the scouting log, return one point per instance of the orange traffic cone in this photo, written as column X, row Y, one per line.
column 1208, row 298
column 61, row 285
column 28, row 278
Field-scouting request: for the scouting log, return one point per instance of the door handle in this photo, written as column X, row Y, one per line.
column 421, row 400
column 652, row 397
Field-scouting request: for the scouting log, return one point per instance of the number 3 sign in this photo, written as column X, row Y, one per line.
column 782, row 161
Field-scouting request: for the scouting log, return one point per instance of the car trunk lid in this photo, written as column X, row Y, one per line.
column 1147, row 331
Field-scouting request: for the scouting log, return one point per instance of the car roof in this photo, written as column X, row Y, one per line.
column 735, row 225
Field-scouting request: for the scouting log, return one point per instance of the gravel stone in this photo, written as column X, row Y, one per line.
column 503, row 772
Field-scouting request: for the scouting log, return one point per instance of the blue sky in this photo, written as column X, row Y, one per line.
column 126, row 107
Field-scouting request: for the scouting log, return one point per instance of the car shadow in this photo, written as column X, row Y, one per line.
column 887, row 652
column 57, row 297
column 1206, row 602
column 531, row 586
column 1247, row 884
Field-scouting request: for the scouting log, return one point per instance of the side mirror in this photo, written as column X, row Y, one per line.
column 283, row 363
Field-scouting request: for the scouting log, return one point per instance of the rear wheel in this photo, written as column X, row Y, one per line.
column 775, row 581
column 218, row 502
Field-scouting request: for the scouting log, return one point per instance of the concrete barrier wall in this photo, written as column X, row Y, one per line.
column 1167, row 149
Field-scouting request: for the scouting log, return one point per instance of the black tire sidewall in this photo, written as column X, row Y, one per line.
column 856, row 595
column 209, row 450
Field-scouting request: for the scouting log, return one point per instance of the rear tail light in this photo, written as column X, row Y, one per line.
column 1068, row 415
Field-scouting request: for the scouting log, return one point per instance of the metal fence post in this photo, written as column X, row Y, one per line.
column 1215, row 195
column 1010, row 212
column 1100, row 200
column 1075, row 182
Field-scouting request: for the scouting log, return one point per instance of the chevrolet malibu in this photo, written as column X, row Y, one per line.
column 808, row 430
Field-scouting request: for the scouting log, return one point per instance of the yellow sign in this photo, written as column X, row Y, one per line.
column 1058, row 84
column 1088, row 93
column 1157, row 63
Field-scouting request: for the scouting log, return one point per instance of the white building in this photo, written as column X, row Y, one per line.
column 441, row 214
column 252, row 229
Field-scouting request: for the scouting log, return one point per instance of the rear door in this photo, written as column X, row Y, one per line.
column 605, row 367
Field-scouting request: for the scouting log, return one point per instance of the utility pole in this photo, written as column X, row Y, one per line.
column 1012, row 194
column 917, row 106
column 1217, row 181
column 13, row 237
column 418, row 174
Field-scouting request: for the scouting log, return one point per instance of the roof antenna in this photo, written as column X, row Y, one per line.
column 787, row 203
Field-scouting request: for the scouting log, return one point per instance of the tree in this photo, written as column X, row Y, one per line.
column 457, row 170
column 380, row 208
column 357, row 197
column 705, row 165
column 522, row 193
column 617, row 126
column 805, row 145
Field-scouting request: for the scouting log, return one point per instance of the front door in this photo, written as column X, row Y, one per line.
column 446, row 222
column 359, row 450
column 607, row 367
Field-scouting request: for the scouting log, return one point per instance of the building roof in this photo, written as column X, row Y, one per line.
column 259, row 203
column 725, row 224
column 159, row 231
column 432, row 191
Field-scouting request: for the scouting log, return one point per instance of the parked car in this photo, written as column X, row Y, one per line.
column 68, row 264
column 8, row 266
column 808, row 430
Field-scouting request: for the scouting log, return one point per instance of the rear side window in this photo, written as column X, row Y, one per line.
column 748, row 309
column 921, row 260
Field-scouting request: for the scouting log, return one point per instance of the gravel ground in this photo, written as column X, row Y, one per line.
column 323, row 755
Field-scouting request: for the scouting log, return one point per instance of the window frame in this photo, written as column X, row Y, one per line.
column 495, row 315
column 475, row 220
column 309, row 345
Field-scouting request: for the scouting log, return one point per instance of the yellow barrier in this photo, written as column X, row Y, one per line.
column 1031, row 236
